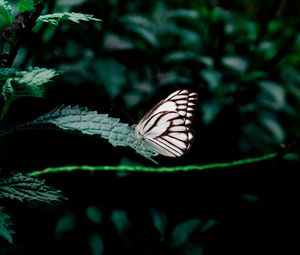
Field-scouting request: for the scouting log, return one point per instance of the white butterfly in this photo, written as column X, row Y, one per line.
column 166, row 127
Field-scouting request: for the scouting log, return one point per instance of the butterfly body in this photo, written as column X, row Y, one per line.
column 166, row 127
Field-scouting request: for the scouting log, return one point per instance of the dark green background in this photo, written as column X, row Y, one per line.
column 241, row 57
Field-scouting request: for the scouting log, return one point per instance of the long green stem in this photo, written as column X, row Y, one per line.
column 155, row 169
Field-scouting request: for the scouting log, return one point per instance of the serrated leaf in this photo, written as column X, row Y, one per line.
column 6, row 73
column 24, row 187
column 6, row 17
column 93, row 123
column 32, row 81
column 56, row 18
column 5, row 225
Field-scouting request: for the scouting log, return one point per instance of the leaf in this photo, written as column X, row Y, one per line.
column 183, row 231
column 159, row 219
column 184, row 14
column 181, row 56
column 94, row 214
column 26, row 5
column 121, row 221
column 96, row 244
column 66, row 223
column 93, row 123
column 24, row 187
column 235, row 63
column 272, row 95
column 6, row 73
column 7, row 91
column 147, row 35
column 56, row 18
column 138, row 21
column 32, row 81
column 6, row 17
column 5, row 225
column 210, row 110
column 212, row 77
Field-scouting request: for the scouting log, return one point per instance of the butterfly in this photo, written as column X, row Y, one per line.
column 166, row 127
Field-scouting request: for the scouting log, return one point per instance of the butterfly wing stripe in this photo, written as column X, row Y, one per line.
column 182, row 136
column 174, row 142
column 169, row 147
column 177, row 129
column 162, row 149
column 160, row 120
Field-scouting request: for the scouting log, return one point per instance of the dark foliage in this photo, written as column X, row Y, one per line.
column 243, row 59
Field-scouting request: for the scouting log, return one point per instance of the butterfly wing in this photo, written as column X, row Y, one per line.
column 165, row 128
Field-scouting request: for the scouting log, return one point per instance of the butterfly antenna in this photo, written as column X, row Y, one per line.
column 128, row 116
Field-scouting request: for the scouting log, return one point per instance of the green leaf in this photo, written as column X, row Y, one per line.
column 24, row 187
column 147, row 35
column 212, row 77
column 5, row 225
column 56, row 18
column 182, row 56
column 121, row 221
column 96, row 244
column 272, row 95
column 210, row 109
column 159, row 219
column 7, row 91
column 26, row 5
column 6, row 73
column 235, row 63
column 32, row 83
column 182, row 232
column 66, row 223
column 6, row 17
column 142, row 27
column 93, row 123
column 184, row 14
column 94, row 214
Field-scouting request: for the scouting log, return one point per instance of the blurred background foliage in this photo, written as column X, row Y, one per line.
column 243, row 59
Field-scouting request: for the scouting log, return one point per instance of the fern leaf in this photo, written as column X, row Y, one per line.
column 93, row 123
column 5, row 224
column 24, row 187
column 55, row 18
